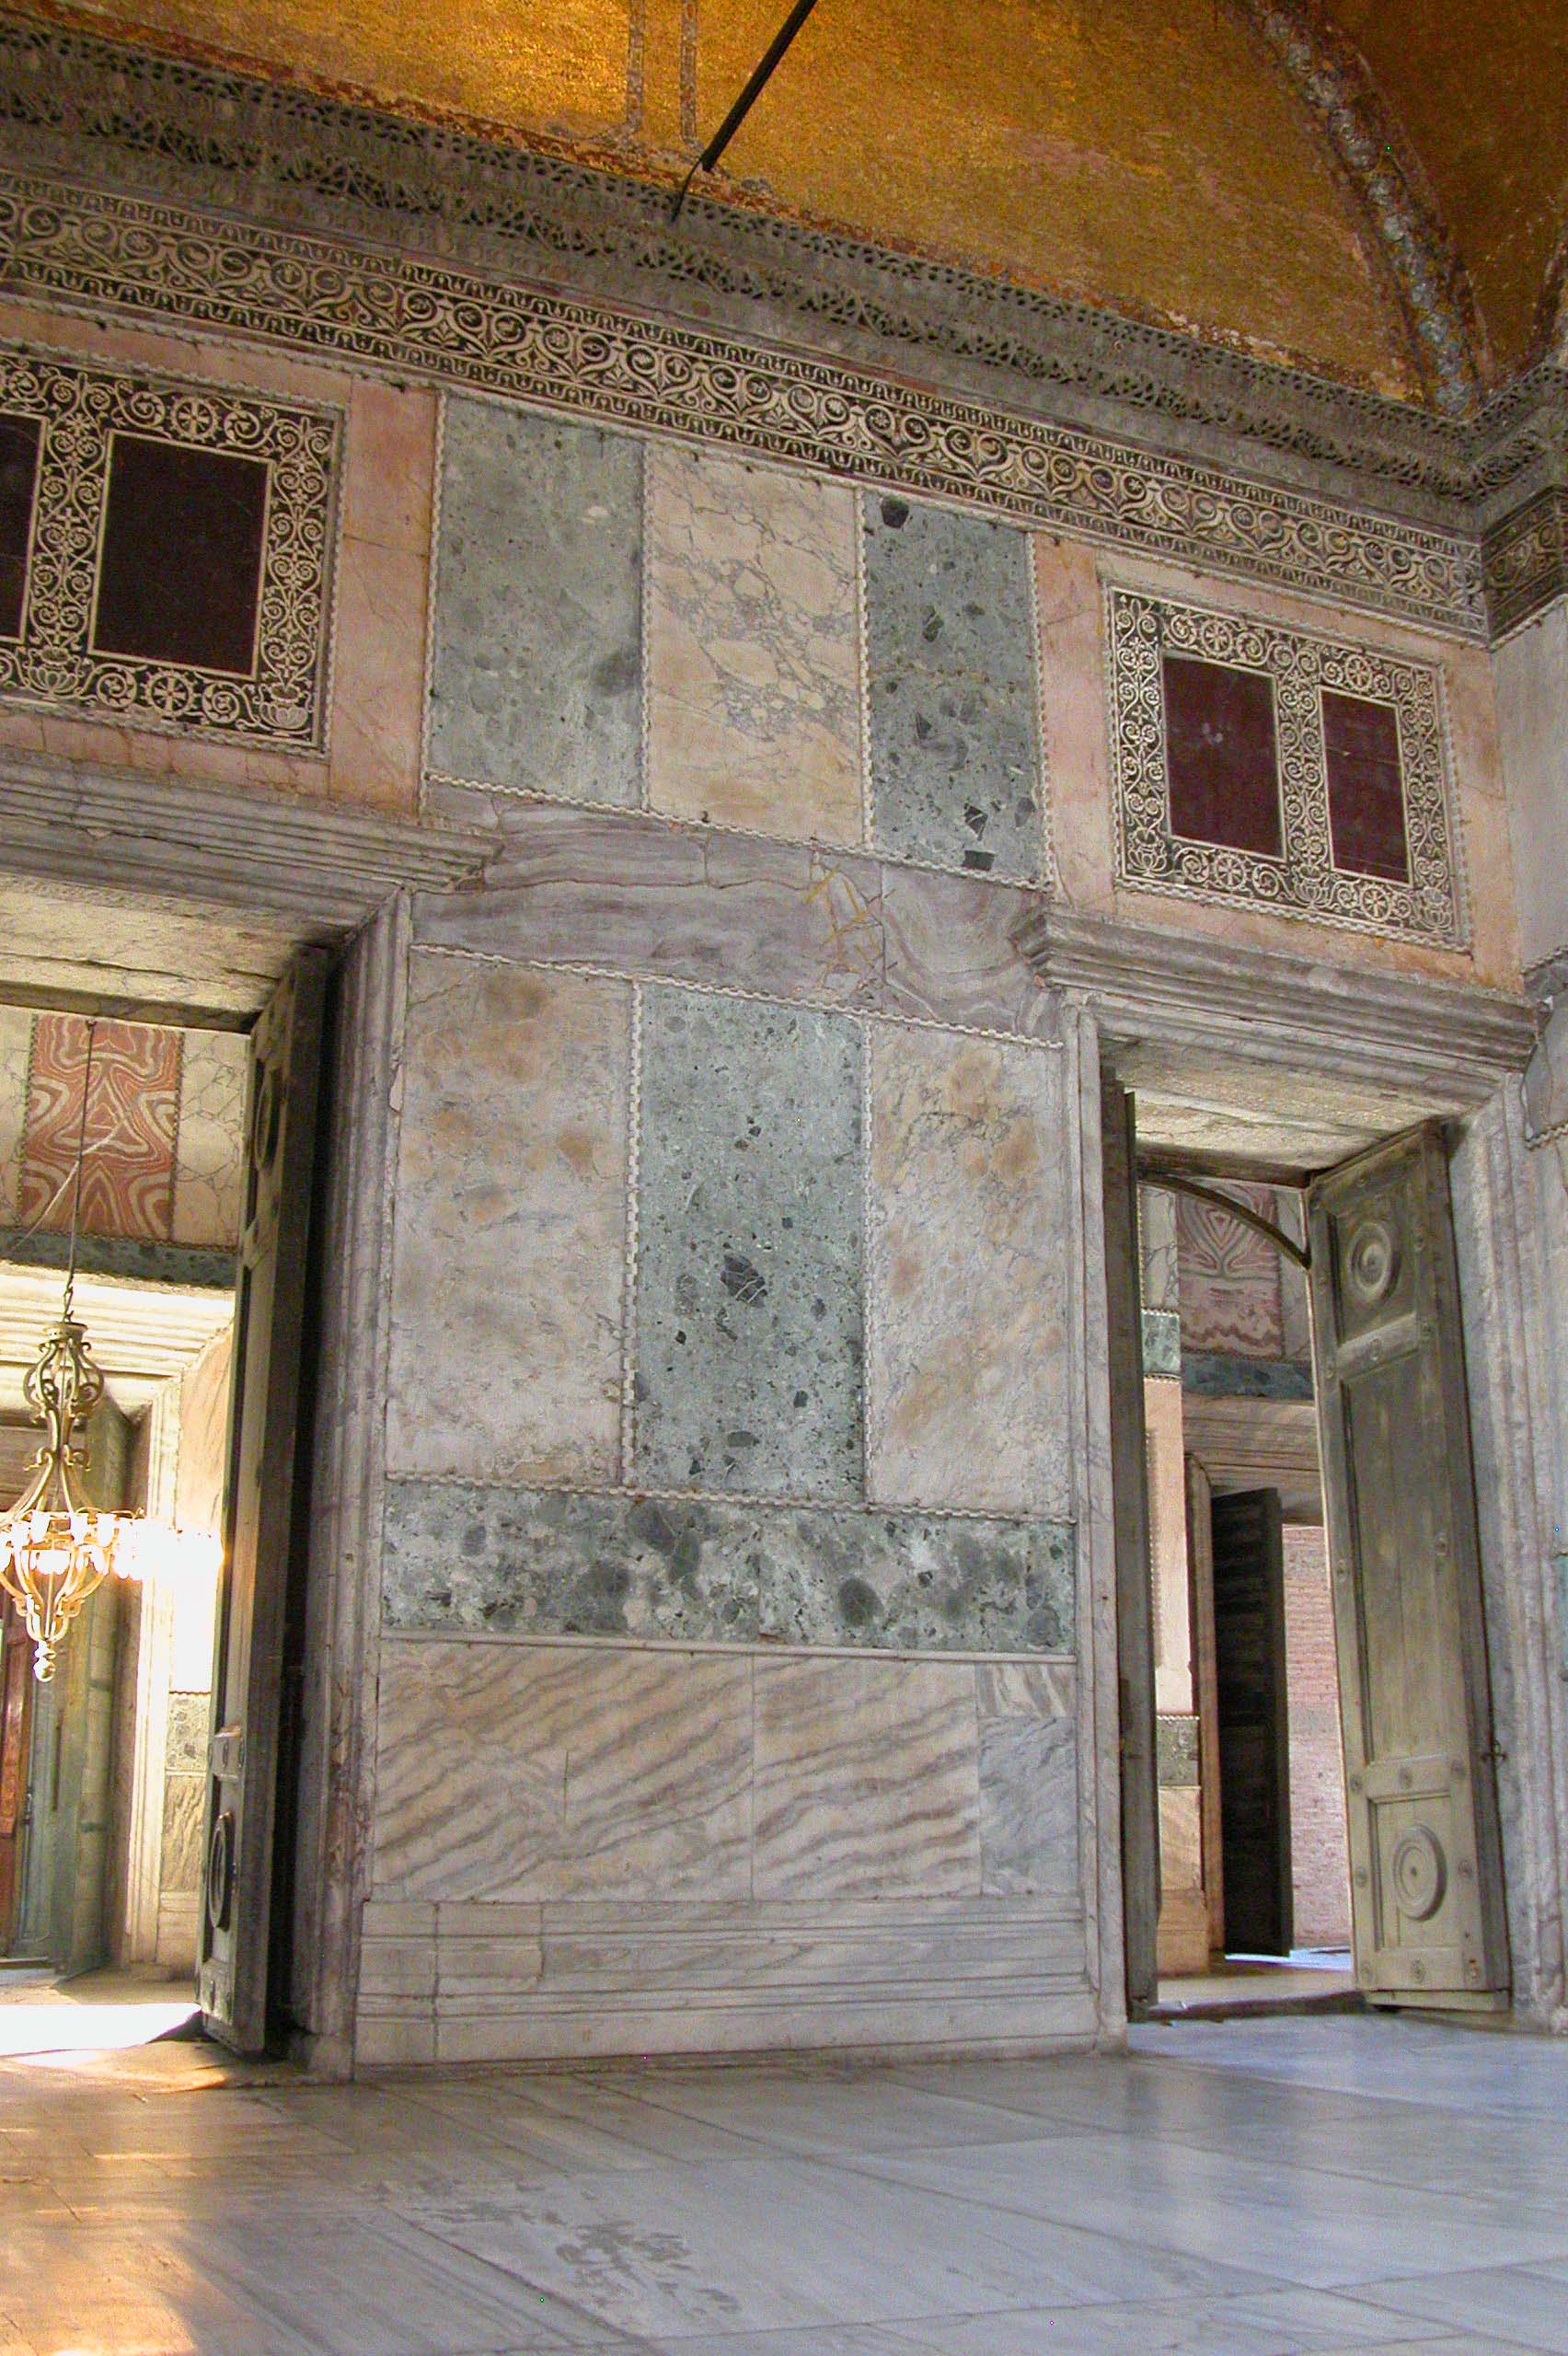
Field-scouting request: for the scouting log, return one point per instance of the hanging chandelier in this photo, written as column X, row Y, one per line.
column 56, row 1548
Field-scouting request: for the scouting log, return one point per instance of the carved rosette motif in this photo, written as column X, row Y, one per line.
column 1304, row 881
column 53, row 661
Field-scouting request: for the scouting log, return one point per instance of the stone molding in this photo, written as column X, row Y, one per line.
column 213, row 138
column 1265, row 1006
column 320, row 867
column 157, row 261
column 1525, row 561
column 75, row 107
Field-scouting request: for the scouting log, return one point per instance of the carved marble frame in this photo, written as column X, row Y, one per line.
column 1303, row 880
column 53, row 663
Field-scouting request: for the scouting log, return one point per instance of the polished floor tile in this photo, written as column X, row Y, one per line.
column 1288, row 2188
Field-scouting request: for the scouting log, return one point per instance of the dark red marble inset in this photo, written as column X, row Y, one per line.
column 1221, row 759
column 1367, row 811
column 128, row 1135
column 19, row 483
column 179, row 576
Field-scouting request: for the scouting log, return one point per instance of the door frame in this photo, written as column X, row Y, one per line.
column 1481, row 1334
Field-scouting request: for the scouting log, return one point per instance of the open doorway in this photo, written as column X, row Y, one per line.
column 104, row 1770
column 1221, row 1373
column 1254, row 1847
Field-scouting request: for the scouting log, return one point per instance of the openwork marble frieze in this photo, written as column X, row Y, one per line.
column 1141, row 631
column 53, row 661
column 161, row 261
column 463, row 1557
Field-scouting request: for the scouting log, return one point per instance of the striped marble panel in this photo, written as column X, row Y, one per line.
column 538, row 656
column 510, row 1237
column 457, row 1555
column 749, row 1322
column 969, row 1365
column 867, row 1779
column 752, row 688
column 1029, row 1795
column 950, row 687
column 522, row 1774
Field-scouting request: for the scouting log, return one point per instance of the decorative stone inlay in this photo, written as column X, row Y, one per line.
column 1141, row 630
column 537, row 626
column 1176, row 1748
column 162, row 260
column 951, row 702
column 53, row 663
column 749, row 1319
column 462, row 1556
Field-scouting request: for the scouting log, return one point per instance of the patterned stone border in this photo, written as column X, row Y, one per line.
column 52, row 662
column 1305, row 881
column 164, row 262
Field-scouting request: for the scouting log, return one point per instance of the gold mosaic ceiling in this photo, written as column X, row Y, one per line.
column 1168, row 158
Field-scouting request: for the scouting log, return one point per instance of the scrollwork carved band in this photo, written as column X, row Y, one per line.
column 389, row 311
column 1304, row 882
column 54, row 662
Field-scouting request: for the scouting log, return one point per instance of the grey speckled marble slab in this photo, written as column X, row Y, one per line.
column 538, row 656
column 950, row 685
column 495, row 1560
column 750, row 1322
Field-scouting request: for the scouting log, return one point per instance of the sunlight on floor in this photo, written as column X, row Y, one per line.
column 103, row 2012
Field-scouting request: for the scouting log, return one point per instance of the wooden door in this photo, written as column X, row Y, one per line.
column 1426, row 1895
column 16, row 1682
column 1253, row 1723
column 258, row 1504
column 1135, row 1598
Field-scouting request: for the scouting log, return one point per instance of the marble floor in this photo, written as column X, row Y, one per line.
column 1266, row 2188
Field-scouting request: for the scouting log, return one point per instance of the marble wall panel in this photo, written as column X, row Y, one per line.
column 749, row 1321
column 180, row 1857
column 970, row 1201
column 508, row 1244
column 1029, row 1797
column 523, row 1772
column 950, row 955
column 656, row 899
column 867, row 1779
column 752, row 683
column 537, row 656
column 949, row 689
column 459, row 1557
column 15, row 1046
column 209, row 1163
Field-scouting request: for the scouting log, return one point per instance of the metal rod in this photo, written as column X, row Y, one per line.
column 759, row 79
column 1299, row 1253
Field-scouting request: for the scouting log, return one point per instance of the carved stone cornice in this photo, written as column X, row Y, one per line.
column 73, row 103
column 219, row 199
column 1189, row 990
column 319, row 867
column 158, row 262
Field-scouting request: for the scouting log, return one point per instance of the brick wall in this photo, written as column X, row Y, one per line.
column 1320, row 1864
